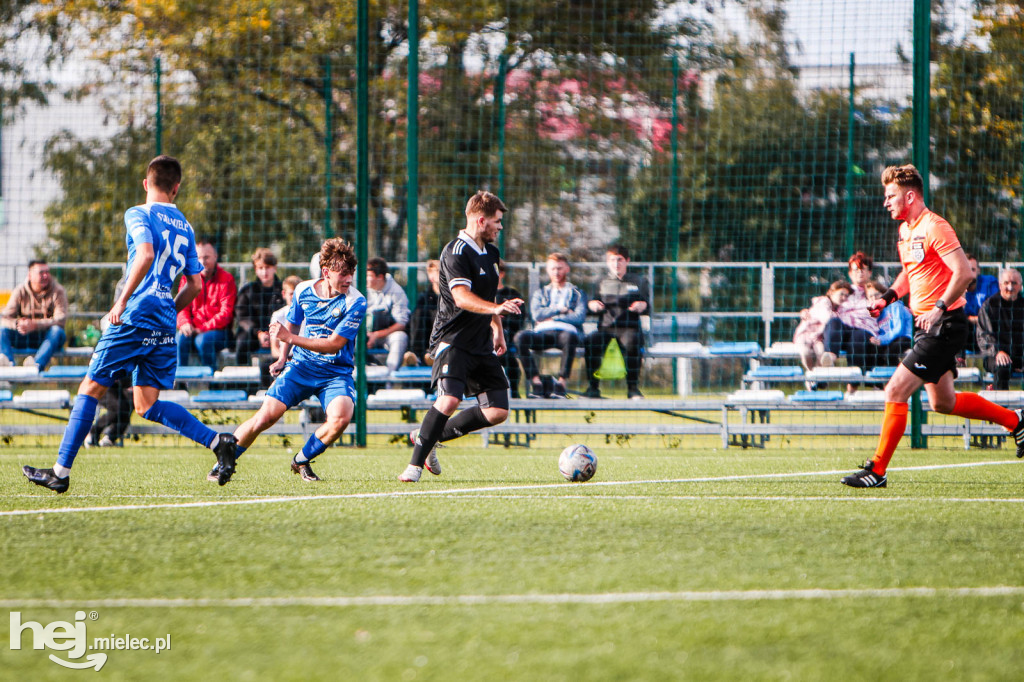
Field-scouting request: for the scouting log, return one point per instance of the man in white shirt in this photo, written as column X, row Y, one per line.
column 387, row 313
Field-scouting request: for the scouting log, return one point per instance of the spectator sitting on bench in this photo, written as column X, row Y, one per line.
column 255, row 304
column 810, row 333
column 853, row 327
column 1001, row 330
column 620, row 300
column 558, row 310
column 34, row 317
column 387, row 313
column 981, row 288
column 205, row 324
column 895, row 328
column 422, row 320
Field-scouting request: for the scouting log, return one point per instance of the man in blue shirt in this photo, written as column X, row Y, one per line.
column 980, row 289
column 140, row 338
column 328, row 311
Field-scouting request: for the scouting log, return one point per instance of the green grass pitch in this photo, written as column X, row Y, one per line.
column 688, row 562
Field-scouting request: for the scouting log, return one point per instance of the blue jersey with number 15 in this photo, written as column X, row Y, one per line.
column 151, row 305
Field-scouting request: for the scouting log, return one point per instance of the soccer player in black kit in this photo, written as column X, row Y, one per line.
column 467, row 338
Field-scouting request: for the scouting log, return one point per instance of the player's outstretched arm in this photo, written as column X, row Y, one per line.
column 470, row 302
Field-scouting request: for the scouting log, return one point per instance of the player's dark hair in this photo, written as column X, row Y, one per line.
column 618, row 250
column 36, row 261
column 164, row 172
column 377, row 266
column 558, row 256
column 906, row 176
column 860, row 260
column 337, row 253
column 484, row 203
column 206, row 241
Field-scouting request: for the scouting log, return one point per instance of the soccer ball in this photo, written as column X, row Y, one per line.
column 577, row 463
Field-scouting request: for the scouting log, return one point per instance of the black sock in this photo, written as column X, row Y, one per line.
column 467, row 421
column 430, row 431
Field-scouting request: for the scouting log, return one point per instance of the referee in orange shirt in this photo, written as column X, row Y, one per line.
column 935, row 274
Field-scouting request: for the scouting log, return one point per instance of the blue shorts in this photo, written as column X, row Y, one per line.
column 150, row 355
column 299, row 380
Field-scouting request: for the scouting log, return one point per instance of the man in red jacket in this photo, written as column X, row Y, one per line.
column 205, row 325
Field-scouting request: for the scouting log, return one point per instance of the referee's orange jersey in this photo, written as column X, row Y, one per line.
column 921, row 248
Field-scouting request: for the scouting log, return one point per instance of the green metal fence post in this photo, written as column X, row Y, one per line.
column 673, row 198
column 159, row 108
column 851, row 120
column 362, row 197
column 412, row 150
column 921, row 134
column 328, row 146
column 499, row 96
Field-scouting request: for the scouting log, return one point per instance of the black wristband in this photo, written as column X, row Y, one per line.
column 940, row 304
column 889, row 296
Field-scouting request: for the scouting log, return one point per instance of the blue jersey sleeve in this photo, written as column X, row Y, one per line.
column 136, row 222
column 295, row 314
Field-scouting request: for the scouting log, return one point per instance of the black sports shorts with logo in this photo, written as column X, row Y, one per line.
column 480, row 374
column 934, row 352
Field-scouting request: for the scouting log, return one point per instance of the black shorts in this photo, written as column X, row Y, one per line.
column 478, row 373
column 934, row 352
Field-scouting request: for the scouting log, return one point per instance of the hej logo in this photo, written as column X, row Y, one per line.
column 59, row 636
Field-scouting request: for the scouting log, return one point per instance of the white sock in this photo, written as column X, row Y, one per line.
column 300, row 458
column 61, row 471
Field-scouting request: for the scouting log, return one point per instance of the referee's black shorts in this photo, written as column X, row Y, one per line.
column 934, row 352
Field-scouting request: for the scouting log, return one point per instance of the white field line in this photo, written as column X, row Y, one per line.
column 424, row 492
column 529, row 599
column 753, row 498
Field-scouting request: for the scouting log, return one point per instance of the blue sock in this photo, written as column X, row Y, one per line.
column 313, row 447
column 181, row 420
column 79, row 423
column 239, row 450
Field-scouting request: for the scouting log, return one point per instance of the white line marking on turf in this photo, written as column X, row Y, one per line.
column 754, row 498
column 516, row 599
column 483, row 489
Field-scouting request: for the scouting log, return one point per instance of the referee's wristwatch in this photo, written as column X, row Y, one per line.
column 941, row 305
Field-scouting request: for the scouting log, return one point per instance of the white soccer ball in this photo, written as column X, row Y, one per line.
column 578, row 463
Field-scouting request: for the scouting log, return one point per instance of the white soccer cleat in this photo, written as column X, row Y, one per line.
column 411, row 474
column 433, row 464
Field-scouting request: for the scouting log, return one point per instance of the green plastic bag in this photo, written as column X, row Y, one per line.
column 613, row 366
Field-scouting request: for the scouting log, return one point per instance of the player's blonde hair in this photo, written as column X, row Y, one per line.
column 905, row 176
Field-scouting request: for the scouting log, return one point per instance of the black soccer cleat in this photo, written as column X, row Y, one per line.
column 46, row 478
column 225, row 450
column 305, row 471
column 865, row 478
column 1018, row 433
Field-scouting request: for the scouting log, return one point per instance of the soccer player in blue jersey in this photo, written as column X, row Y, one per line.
column 140, row 338
column 322, row 359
